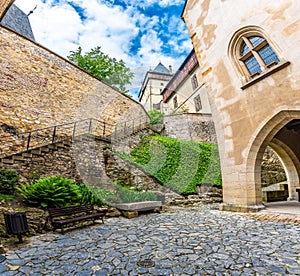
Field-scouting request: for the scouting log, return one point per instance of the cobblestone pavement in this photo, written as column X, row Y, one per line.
column 196, row 242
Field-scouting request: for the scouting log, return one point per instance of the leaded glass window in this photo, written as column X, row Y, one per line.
column 245, row 49
column 175, row 103
column 268, row 55
column 194, row 82
column 252, row 65
column 256, row 40
column 257, row 54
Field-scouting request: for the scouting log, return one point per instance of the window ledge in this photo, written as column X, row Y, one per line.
column 265, row 74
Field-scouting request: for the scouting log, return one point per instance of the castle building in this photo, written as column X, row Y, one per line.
column 154, row 82
column 185, row 92
column 249, row 62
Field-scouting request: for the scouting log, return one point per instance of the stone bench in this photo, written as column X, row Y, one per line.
column 132, row 209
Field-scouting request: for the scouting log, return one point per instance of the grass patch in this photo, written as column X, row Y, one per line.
column 122, row 194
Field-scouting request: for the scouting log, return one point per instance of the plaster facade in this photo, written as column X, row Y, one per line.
column 251, row 110
column 185, row 92
column 190, row 126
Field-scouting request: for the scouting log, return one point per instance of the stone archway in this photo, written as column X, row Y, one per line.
column 291, row 165
column 281, row 133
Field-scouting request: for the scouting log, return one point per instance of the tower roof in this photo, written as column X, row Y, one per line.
column 17, row 20
column 160, row 68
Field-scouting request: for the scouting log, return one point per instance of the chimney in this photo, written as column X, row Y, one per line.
column 170, row 69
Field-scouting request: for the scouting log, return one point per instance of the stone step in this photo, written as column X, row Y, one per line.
column 18, row 157
column 27, row 155
column 139, row 206
column 45, row 149
column 9, row 161
column 36, row 151
column 60, row 145
column 52, row 147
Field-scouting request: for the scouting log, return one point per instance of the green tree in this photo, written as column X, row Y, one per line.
column 103, row 67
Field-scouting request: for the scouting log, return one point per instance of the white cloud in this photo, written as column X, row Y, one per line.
column 58, row 26
column 161, row 3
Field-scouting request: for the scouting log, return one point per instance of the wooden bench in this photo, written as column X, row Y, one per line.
column 61, row 217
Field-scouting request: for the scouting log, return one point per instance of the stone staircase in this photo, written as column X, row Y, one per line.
column 62, row 149
column 33, row 153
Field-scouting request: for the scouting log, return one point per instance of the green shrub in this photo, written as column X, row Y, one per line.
column 7, row 197
column 89, row 196
column 53, row 191
column 123, row 194
column 179, row 164
column 156, row 117
column 8, row 181
column 126, row 195
column 106, row 196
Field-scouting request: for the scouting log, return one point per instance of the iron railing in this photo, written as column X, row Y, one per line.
column 18, row 142
column 12, row 143
column 126, row 128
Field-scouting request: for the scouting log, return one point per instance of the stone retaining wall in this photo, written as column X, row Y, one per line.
column 190, row 126
column 86, row 159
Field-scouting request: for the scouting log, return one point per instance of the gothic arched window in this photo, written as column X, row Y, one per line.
column 253, row 55
column 257, row 54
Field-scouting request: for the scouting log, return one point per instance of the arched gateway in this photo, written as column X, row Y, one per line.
column 248, row 57
column 282, row 134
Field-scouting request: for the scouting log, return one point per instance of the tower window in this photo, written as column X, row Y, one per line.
column 175, row 103
column 194, row 82
column 198, row 104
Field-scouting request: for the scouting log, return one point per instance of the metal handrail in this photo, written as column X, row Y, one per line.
column 126, row 128
column 24, row 141
column 19, row 142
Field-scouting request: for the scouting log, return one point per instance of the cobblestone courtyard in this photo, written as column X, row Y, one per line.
column 200, row 241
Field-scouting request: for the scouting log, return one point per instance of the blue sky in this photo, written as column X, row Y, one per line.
column 141, row 33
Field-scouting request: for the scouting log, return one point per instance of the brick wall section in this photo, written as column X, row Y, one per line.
column 39, row 88
column 191, row 126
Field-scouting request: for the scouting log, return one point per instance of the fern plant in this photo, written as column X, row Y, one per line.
column 53, row 191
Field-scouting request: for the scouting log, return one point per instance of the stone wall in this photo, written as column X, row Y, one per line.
column 38, row 89
column 119, row 169
column 4, row 6
column 190, row 126
column 54, row 159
